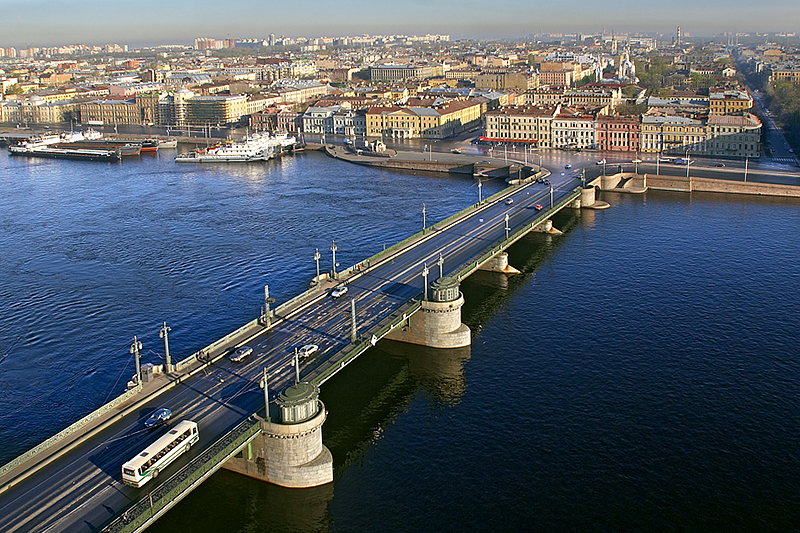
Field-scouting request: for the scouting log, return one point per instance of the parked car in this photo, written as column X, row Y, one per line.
column 338, row 292
column 241, row 353
column 509, row 201
column 159, row 417
column 567, row 166
column 308, row 350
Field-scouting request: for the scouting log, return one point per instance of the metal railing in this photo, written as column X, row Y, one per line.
column 142, row 513
column 14, row 463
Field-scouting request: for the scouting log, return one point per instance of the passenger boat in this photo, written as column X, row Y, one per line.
column 253, row 148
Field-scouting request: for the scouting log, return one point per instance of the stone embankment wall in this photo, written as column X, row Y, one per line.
column 673, row 183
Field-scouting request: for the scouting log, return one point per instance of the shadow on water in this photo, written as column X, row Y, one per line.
column 362, row 402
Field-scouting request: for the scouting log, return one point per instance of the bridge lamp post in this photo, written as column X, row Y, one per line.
column 333, row 249
column 423, row 218
column 507, row 228
column 425, row 272
column 266, row 395
column 551, row 196
column 746, row 160
column 353, row 326
column 317, row 257
column 440, row 262
column 135, row 347
column 267, row 300
column 480, row 197
column 296, row 364
column 163, row 333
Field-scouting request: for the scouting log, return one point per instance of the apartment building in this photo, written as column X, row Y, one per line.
column 729, row 102
column 618, row 133
column 672, row 134
column 522, row 124
column 735, row 136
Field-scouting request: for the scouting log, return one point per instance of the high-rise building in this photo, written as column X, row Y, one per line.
column 678, row 37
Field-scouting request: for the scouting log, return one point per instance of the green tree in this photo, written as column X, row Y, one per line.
column 14, row 89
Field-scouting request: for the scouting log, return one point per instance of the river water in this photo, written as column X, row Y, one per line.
column 641, row 374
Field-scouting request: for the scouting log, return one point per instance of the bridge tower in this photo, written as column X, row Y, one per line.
column 438, row 323
column 290, row 453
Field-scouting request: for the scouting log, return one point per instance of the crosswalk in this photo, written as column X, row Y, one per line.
column 785, row 160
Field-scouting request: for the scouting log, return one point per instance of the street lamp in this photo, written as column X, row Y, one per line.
column 480, row 184
column 425, row 272
column 317, row 257
column 163, row 334
column 440, row 262
column 507, row 228
column 333, row 249
column 135, row 347
column 551, row 196
column 423, row 218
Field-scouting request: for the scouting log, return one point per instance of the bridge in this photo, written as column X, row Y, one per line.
column 409, row 292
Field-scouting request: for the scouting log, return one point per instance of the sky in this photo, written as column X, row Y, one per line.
column 146, row 22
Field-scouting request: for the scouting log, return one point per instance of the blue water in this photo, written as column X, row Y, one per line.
column 641, row 374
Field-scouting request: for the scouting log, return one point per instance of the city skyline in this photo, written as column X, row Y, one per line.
column 50, row 23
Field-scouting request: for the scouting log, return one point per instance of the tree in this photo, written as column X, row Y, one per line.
column 14, row 89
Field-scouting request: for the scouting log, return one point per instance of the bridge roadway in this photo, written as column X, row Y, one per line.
column 82, row 489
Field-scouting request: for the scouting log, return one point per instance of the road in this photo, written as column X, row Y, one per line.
column 82, row 490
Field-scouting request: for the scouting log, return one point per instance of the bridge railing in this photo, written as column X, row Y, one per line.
column 141, row 513
column 365, row 341
column 471, row 266
column 100, row 411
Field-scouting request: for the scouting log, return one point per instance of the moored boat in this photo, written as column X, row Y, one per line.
column 253, row 148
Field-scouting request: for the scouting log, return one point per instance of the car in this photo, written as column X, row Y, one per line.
column 159, row 417
column 720, row 164
column 679, row 161
column 547, row 182
column 308, row 350
column 456, row 151
column 538, row 207
column 338, row 292
column 539, row 180
column 567, row 166
column 241, row 353
column 509, row 201
column 791, row 150
column 636, row 161
column 601, row 162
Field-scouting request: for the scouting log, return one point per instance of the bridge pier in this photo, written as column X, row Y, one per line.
column 438, row 323
column 499, row 263
column 290, row 453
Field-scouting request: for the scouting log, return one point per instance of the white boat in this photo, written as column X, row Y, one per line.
column 44, row 141
column 256, row 147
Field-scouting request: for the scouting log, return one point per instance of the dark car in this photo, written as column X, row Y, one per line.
column 720, row 164
column 160, row 416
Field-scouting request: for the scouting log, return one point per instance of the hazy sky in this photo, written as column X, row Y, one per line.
column 137, row 22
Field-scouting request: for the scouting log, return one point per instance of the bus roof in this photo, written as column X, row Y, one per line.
column 159, row 444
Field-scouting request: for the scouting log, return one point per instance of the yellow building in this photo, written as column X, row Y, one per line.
column 729, row 102
column 434, row 122
column 672, row 134
column 522, row 124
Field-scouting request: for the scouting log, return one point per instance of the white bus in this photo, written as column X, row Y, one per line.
column 160, row 454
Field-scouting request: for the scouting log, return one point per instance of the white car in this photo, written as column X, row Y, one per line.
column 338, row 292
column 239, row 355
column 510, row 201
column 308, row 350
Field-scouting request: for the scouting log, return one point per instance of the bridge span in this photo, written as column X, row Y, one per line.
column 73, row 482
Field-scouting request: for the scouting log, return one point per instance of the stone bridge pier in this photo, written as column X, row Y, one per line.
column 438, row 323
column 290, row 452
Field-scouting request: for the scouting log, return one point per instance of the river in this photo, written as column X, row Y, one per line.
column 642, row 373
